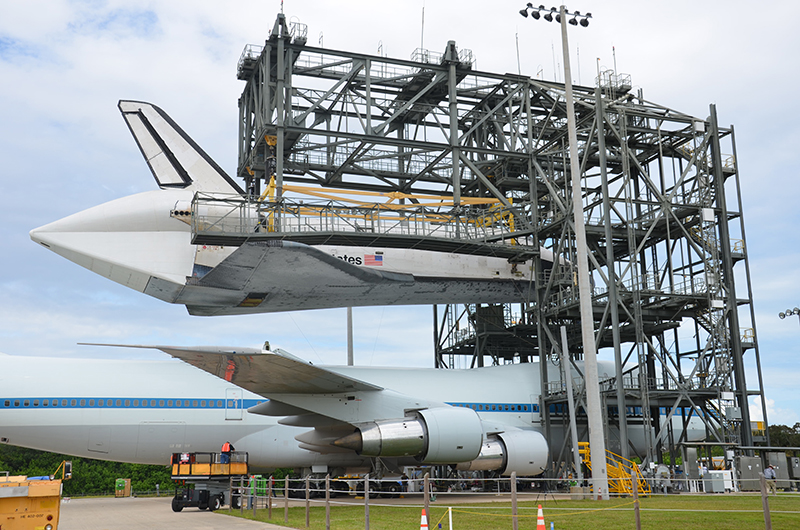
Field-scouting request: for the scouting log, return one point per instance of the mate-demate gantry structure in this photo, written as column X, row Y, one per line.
column 660, row 196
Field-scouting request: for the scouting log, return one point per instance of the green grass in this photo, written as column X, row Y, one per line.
column 682, row 512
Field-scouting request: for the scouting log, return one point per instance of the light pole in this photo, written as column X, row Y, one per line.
column 597, row 445
column 790, row 312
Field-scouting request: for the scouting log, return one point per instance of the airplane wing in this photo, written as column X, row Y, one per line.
column 262, row 372
column 175, row 160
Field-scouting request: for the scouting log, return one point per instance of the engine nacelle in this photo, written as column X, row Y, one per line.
column 444, row 435
column 525, row 452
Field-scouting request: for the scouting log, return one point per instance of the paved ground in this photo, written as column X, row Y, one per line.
column 145, row 514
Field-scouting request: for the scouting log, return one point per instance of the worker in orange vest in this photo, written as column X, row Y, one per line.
column 225, row 457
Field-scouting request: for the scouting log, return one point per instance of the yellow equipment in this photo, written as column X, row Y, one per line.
column 621, row 472
column 32, row 502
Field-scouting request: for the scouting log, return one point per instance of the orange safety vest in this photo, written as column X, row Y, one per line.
column 226, row 447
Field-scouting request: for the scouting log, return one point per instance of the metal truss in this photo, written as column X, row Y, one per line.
column 661, row 202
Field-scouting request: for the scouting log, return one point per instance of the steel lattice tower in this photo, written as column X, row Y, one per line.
column 661, row 199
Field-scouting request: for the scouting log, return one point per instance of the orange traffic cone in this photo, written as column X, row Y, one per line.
column 539, row 519
column 423, row 523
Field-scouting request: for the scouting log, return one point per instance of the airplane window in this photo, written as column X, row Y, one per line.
column 91, row 403
column 110, row 402
column 194, row 403
column 152, row 402
column 45, row 402
column 16, row 403
column 169, row 402
column 178, row 403
column 7, row 403
column 480, row 407
column 35, row 402
column 100, row 402
column 506, row 407
column 160, row 402
column 63, row 402
column 83, row 403
column 119, row 402
column 219, row 403
column 210, row 402
column 73, row 402
column 144, row 402
column 26, row 403
column 203, row 403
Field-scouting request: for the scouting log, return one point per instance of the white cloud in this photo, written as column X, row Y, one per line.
column 777, row 416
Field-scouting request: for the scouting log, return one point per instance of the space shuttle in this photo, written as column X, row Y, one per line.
column 145, row 242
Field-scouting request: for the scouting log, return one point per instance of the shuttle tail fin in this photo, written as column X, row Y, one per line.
column 175, row 160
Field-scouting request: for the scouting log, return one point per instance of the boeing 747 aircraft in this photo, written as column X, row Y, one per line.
column 145, row 242
column 283, row 411
column 286, row 412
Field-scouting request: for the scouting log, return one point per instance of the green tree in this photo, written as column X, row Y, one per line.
column 784, row 436
column 89, row 476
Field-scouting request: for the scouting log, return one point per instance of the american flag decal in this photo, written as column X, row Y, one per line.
column 375, row 260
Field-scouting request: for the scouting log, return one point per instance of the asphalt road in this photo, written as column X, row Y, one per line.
column 145, row 514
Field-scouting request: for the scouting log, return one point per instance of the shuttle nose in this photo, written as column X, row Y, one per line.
column 128, row 240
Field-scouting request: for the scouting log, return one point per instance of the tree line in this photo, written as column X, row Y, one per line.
column 89, row 476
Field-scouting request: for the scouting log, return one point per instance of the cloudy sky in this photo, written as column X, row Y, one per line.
column 64, row 147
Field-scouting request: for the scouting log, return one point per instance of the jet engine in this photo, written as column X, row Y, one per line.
column 445, row 435
column 525, row 452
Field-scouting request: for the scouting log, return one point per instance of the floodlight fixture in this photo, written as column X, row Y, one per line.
column 554, row 13
column 789, row 312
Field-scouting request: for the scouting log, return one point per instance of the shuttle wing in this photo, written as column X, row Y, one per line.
column 262, row 266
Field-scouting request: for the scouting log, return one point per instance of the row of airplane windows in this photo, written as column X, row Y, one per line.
column 125, row 403
column 498, row 407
